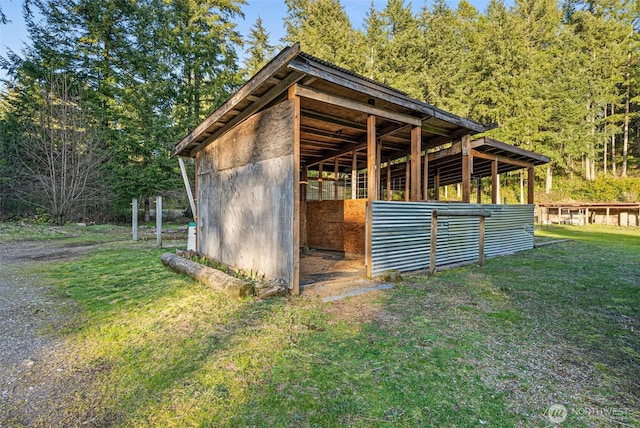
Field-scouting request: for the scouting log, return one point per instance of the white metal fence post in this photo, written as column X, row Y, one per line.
column 159, row 220
column 134, row 218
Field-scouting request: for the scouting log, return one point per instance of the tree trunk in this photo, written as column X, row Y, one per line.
column 549, row 180
column 589, row 157
column 147, row 210
column 212, row 278
column 606, row 142
column 638, row 138
column 571, row 168
column 625, row 136
column 613, row 146
column 522, row 187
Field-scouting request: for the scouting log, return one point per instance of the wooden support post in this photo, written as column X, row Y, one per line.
column 368, row 239
column 195, row 201
column 481, row 243
column 607, row 218
column 389, row 181
column 372, row 162
column 466, row 168
column 530, row 182
column 354, row 175
column 416, row 149
column 295, row 244
column 372, row 187
column 134, row 218
column 378, row 168
column 320, row 181
column 436, row 185
column 495, row 185
column 479, row 190
column 425, row 173
column 434, row 242
column 407, row 179
column 304, row 177
column 159, row 221
column 586, row 215
column 304, row 182
column 336, row 177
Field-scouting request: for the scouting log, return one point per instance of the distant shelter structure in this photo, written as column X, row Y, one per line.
column 581, row 213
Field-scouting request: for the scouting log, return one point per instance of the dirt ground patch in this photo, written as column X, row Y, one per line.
column 34, row 370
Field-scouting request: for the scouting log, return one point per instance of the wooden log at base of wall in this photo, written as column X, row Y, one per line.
column 212, row 278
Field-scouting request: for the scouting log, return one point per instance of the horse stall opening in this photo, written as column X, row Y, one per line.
column 332, row 236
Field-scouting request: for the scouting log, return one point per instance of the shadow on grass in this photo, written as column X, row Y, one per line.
column 473, row 346
column 598, row 234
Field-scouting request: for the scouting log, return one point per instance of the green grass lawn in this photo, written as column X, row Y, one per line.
column 490, row 346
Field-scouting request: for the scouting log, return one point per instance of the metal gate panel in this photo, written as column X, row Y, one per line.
column 399, row 236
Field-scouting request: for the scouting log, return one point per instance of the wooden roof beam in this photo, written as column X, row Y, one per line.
column 332, row 135
column 363, row 144
column 265, row 99
column 501, row 159
column 311, row 66
column 334, row 120
column 325, row 97
column 435, row 130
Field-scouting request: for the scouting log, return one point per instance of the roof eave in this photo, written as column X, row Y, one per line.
column 265, row 73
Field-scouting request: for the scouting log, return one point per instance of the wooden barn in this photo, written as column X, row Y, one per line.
column 307, row 155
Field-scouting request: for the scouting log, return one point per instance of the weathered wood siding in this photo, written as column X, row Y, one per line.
column 336, row 225
column 246, row 195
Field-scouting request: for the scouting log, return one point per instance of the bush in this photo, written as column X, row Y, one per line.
column 610, row 189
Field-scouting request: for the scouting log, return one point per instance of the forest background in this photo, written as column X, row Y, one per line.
column 92, row 106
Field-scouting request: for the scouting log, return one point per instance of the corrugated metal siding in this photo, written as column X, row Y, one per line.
column 401, row 233
column 509, row 229
column 400, row 236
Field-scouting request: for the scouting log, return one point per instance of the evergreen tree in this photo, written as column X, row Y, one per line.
column 297, row 12
column 450, row 39
column 374, row 39
column 324, row 30
column 401, row 53
column 151, row 70
column 202, row 40
column 600, row 54
column 259, row 51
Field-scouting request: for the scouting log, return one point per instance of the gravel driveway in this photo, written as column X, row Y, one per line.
column 34, row 369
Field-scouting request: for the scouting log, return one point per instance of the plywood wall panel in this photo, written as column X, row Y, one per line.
column 325, row 225
column 246, row 195
column 258, row 138
column 336, row 225
column 354, row 225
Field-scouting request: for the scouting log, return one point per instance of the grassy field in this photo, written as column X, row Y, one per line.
column 494, row 346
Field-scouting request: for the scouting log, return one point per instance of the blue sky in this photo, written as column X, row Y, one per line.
column 14, row 35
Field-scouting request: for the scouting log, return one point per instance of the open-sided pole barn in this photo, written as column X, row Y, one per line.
column 305, row 154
